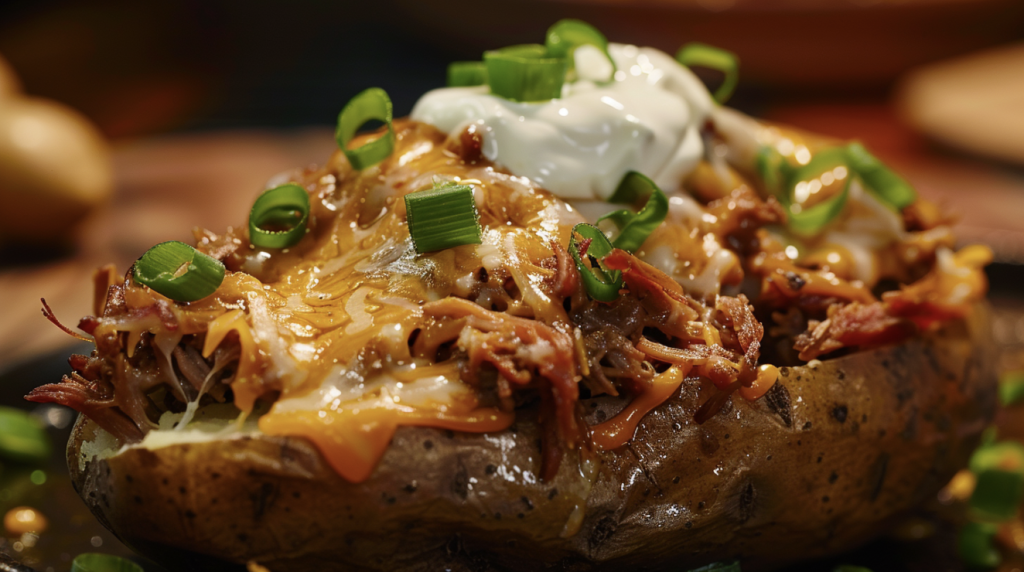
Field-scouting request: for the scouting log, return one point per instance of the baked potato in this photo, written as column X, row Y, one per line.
column 424, row 356
column 826, row 459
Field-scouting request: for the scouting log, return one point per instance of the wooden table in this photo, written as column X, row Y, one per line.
column 168, row 185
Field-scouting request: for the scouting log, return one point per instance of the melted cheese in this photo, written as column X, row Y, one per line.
column 618, row 430
column 247, row 382
column 327, row 326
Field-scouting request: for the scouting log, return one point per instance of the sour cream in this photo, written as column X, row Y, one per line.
column 646, row 119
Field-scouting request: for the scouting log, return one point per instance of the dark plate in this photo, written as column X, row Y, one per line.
column 72, row 528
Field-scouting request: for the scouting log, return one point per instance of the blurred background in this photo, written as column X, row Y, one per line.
column 191, row 105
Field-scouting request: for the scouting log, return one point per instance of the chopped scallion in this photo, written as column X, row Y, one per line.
column 1005, row 455
column 103, row 563
column 22, row 438
column 810, row 220
column 466, row 74
column 566, row 35
column 780, row 179
column 286, row 209
column 179, row 271
column 1011, row 388
column 634, row 229
column 601, row 284
column 697, row 54
column 369, row 105
column 442, row 217
column 525, row 73
column 878, row 178
column 775, row 172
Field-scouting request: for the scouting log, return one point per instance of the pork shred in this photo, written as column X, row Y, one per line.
column 119, row 387
column 853, row 325
column 85, row 391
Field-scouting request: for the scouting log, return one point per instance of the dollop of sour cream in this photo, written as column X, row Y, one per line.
column 646, row 119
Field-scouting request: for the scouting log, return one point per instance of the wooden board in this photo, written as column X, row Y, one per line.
column 975, row 103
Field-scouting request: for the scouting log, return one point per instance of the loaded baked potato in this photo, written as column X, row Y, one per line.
column 423, row 356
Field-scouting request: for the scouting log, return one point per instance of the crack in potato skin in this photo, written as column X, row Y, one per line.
column 789, row 473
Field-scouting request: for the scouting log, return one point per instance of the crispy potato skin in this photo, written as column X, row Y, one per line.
column 823, row 462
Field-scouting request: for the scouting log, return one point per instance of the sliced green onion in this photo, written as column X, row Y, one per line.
column 619, row 218
column 634, row 229
column 809, row 221
column 822, row 161
column 467, row 74
column 1004, row 455
column 601, row 284
column 775, row 172
column 1011, row 388
column 525, row 73
column 878, row 178
column 22, row 438
column 697, row 54
column 566, row 35
column 179, row 271
column 442, row 217
column 976, row 547
column 371, row 104
column 286, row 206
column 997, row 494
column 719, row 567
column 103, row 563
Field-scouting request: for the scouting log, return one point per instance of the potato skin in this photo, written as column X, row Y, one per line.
column 823, row 462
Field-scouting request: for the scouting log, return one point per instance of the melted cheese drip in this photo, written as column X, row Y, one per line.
column 618, row 430
column 328, row 322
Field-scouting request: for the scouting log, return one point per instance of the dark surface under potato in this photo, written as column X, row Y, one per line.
column 821, row 463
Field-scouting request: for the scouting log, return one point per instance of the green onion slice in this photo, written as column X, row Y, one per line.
column 619, row 218
column 719, row 567
column 601, row 284
column 22, row 438
column 371, row 104
column 775, row 172
column 780, row 178
column 697, row 54
column 285, row 207
column 566, row 35
column 93, row 562
column 1004, row 455
column 634, row 229
column 811, row 220
column 442, row 217
column 1011, row 388
column 525, row 73
column 879, row 179
column 467, row 74
column 179, row 271
column 997, row 494
column 976, row 547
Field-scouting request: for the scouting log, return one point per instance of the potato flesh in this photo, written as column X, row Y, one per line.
column 815, row 467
